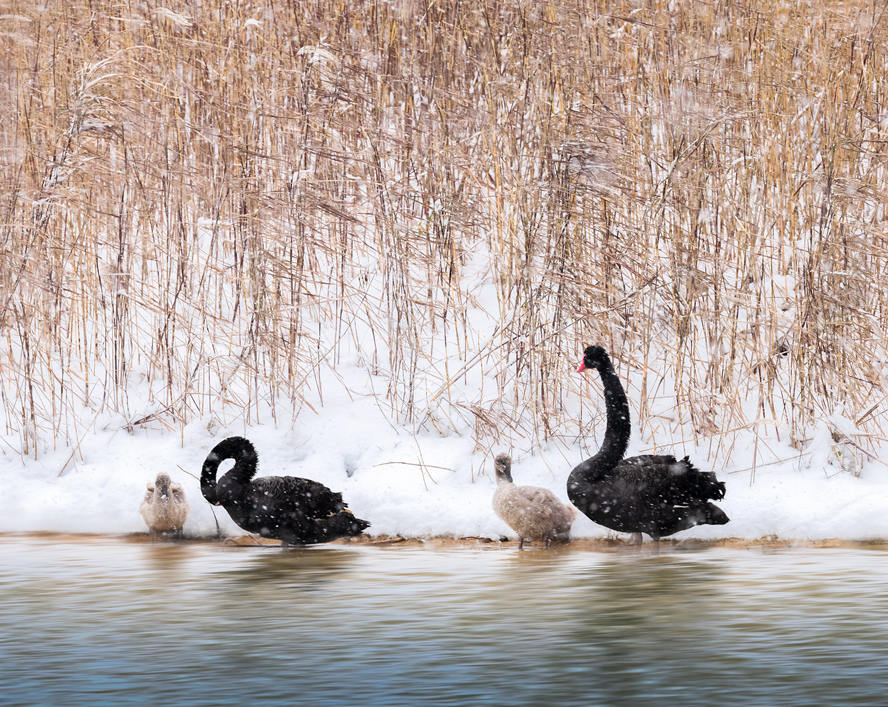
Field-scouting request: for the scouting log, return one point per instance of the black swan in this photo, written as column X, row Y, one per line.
column 293, row 510
column 532, row 512
column 654, row 494
column 164, row 507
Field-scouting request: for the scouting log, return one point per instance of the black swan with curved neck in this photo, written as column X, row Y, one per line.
column 288, row 508
column 654, row 494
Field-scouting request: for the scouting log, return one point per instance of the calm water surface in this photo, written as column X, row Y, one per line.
column 117, row 622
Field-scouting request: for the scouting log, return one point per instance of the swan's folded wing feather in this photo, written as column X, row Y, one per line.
column 520, row 505
column 535, row 495
column 660, row 478
column 547, row 504
column 312, row 497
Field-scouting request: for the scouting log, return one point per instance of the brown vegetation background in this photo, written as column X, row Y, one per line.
column 213, row 201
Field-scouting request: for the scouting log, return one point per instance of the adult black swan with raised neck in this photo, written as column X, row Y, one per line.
column 291, row 509
column 654, row 494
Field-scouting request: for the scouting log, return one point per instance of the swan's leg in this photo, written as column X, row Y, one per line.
column 636, row 539
column 521, row 543
column 548, row 542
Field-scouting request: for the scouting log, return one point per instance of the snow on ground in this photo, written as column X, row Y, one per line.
column 408, row 483
column 413, row 481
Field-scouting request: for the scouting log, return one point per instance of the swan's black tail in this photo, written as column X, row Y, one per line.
column 709, row 514
column 692, row 485
column 245, row 460
column 322, row 530
column 345, row 523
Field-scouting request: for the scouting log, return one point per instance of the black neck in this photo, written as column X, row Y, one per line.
column 237, row 448
column 616, row 436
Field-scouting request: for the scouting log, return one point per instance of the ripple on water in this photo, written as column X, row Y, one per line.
column 110, row 620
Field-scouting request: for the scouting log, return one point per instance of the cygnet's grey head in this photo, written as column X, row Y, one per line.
column 502, row 465
column 162, row 485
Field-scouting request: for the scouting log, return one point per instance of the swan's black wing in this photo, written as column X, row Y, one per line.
column 299, row 511
column 312, row 498
column 664, row 479
column 655, row 494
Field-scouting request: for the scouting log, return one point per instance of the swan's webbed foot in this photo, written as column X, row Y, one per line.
column 177, row 534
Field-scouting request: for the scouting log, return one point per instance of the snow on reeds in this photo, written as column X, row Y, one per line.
column 206, row 204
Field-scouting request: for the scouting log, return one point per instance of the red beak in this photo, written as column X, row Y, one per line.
column 581, row 367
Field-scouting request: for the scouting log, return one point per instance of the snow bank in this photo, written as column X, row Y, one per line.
column 411, row 483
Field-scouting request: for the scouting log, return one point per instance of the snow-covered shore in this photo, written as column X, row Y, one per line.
column 409, row 483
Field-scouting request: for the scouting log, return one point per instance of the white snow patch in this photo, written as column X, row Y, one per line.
column 411, row 484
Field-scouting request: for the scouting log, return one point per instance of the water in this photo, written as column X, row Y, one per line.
column 88, row 621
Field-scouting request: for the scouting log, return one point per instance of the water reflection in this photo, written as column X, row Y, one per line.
column 273, row 569
column 640, row 621
column 166, row 557
column 99, row 621
column 647, row 589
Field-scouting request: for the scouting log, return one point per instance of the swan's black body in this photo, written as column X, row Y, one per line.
column 296, row 511
column 654, row 494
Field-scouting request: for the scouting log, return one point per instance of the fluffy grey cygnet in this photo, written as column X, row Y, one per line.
column 164, row 507
column 532, row 512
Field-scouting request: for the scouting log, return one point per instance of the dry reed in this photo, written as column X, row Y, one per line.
column 214, row 201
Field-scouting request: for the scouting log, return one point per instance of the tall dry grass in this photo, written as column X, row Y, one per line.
column 215, row 201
